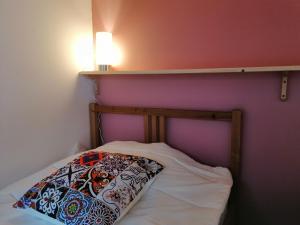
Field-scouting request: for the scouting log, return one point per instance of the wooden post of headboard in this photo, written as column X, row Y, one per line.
column 235, row 153
column 94, row 129
column 236, row 135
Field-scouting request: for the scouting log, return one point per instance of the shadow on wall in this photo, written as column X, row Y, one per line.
column 248, row 208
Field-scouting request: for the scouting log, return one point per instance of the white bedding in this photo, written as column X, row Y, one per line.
column 186, row 192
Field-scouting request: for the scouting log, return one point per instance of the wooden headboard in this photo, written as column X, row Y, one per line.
column 155, row 125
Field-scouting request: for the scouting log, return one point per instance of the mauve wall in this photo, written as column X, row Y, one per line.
column 161, row 34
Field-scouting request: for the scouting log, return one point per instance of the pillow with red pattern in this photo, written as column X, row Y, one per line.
column 95, row 188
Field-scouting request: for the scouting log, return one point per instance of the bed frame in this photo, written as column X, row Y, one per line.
column 155, row 131
column 155, row 125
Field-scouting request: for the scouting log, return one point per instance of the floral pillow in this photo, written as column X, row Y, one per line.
column 95, row 188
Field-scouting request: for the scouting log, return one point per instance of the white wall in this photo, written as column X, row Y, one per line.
column 43, row 103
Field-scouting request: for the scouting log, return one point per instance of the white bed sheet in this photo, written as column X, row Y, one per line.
column 186, row 192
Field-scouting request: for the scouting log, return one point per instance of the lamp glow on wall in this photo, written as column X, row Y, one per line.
column 104, row 50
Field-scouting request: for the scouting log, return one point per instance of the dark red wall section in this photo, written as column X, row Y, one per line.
column 173, row 34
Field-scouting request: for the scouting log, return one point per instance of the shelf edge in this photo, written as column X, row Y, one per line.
column 192, row 71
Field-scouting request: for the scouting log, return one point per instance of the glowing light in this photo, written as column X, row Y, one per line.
column 117, row 55
column 83, row 52
column 104, row 48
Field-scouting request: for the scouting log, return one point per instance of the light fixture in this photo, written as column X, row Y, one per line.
column 104, row 50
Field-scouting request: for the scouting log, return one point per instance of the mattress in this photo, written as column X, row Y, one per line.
column 186, row 192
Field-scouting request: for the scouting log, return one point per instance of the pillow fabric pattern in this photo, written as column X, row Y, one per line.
column 95, row 188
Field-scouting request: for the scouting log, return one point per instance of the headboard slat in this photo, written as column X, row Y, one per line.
column 154, row 122
column 147, row 128
column 162, row 129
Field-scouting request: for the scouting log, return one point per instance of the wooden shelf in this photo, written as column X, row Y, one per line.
column 95, row 74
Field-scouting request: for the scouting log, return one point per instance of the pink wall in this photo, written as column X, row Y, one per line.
column 160, row 34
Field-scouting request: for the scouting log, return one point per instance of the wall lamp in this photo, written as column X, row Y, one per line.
column 104, row 51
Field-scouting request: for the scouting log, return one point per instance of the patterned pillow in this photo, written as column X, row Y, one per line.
column 95, row 188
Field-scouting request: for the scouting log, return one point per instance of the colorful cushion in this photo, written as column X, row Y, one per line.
column 95, row 188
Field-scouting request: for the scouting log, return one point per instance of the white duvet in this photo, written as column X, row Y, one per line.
column 185, row 193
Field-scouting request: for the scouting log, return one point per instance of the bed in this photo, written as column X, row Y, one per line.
column 186, row 192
